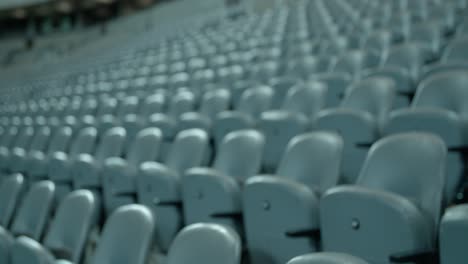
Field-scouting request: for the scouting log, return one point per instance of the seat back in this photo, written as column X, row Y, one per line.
column 129, row 105
column 84, row 143
column 60, row 140
column 34, row 210
column 410, row 56
column 214, row 102
column 353, row 62
column 153, row 104
column 374, row 95
column 239, row 155
column 206, row 243
column 411, row 165
column 188, row 150
column 10, row 191
column 9, row 137
column 24, row 138
column 112, row 144
column 327, row 258
column 145, row 147
column 40, row 139
column 444, row 90
column 256, row 100
column 106, row 106
column 279, row 127
column 181, row 102
column 126, row 237
column 281, row 87
column 456, row 51
column 308, row 98
column 69, row 229
column 313, row 159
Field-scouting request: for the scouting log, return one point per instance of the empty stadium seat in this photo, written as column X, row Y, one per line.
column 119, row 175
column 22, row 139
column 214, row 194
column 158, row 184
column 121, row 244
column 60, row 165
column 61, row 241
column 86, row 168
column 30, row 219
column 38, row 161
column 310, row 165
column 359, row 120
column 206, row 243
column 253, row 102
column 439, row 111
column 398, row 195
column 11, row 189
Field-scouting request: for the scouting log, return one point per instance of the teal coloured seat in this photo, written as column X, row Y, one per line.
column 327, row 258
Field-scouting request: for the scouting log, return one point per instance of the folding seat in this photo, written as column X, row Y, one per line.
column 354, row 62
column 397, row 196
column 281, row 87
column 310, row 165
column 214, row 194
column 7, row 138
column 10, row 193
column 61, row 241
column 126, row 237
column 206, row 243
column 212, row 103
column 326, row 258
column 127, row 106
column 31, row 217
column 428, row 33
column 119, row 175
column 452, row 235
column 154, row 103
column 181, row 102
column 456, row 50
column 87, row 168
column 20, row 140
column 439, row 111
column 37, row 161
column 358, row 120
column 253, row 102
column 158, row 184
column 336, row 83
column 60, row 163
column 19, row 156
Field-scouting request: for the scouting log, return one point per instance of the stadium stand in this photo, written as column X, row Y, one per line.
column 307, row 132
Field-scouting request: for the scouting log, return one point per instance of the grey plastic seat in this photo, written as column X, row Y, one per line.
column 355, row 62
column 307, row 98
column 182, row 102
column 439, row 111
column 11, row 189
column 60, row 164
column 214, row 194
column 128, row 106
column 253, row 102
column 456, row 51
column 21, row 141
column 327, row 258
column 212, row 103
column 155, row 103
column 281, row 87
column 404, row 64
column 38, row 160
column 310, row 166
column 398, row 196
column 206, row 243
column 336, row 83
column 119, row 175
column 126, row 237
column 86, row 168
column 279, row 127
column 358, row 120
column 19, row 156
column 158, row 184
column 31, row 217
column 61, row 242
column 452, row 235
